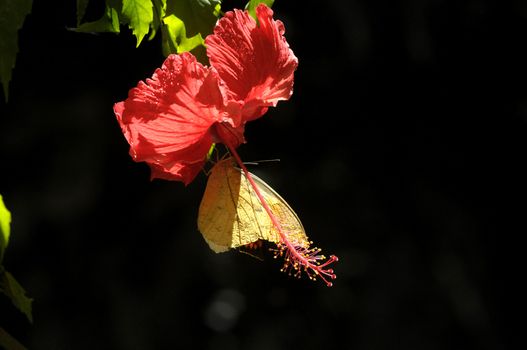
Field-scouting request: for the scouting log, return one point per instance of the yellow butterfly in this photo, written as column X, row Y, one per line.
column 231, row 215
column 238, row 209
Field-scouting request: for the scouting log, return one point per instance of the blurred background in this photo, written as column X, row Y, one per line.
column 401, row 151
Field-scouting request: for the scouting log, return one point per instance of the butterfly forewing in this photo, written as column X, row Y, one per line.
column 231, row 215
column 217, row 211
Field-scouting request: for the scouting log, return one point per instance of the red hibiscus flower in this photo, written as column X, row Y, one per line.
column 172, row 119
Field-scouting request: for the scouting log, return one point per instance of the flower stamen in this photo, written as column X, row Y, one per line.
column 298, row 256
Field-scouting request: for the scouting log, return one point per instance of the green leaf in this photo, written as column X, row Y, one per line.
column 17, row 294
column 252, row 4
column 5, row 227
column 160, row 7
column 12, row 15
column 109, row 22
column 183, row 23
column 211, row 150
column 175, row 39
column 140, row 14
column 8, row 285
column 199, row 16
column 81, row 10
column 7, row 341
column 186, row 23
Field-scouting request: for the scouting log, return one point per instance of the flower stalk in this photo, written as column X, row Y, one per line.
column 297, row 257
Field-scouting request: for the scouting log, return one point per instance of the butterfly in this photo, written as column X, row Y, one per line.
column 231, row 215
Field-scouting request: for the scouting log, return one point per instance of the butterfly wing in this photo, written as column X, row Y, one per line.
column 217, row 211
column 230, row 214
column 287, row 218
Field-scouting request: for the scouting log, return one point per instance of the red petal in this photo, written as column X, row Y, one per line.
column 181, row 166
column 254, row 61
column 167, row 120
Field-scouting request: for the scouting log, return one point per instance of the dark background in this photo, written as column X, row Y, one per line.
column 401, row 150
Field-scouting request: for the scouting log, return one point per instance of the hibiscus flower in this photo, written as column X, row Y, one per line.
column 172, row 119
